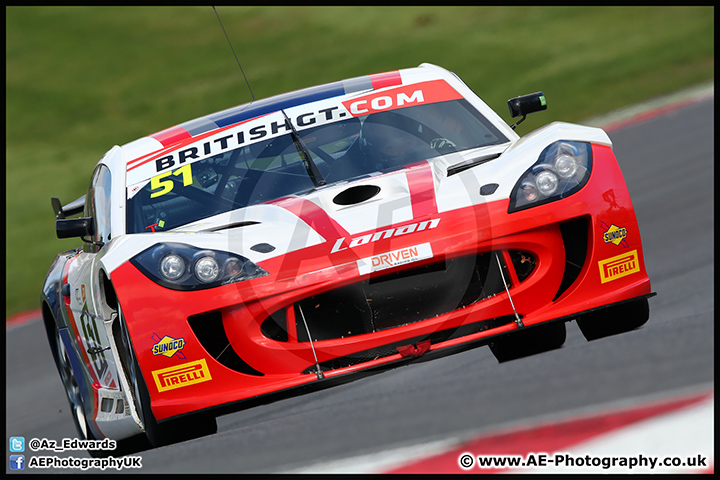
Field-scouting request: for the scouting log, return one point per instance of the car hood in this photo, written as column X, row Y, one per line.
column 338, row 211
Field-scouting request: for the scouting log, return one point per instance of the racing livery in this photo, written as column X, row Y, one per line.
column 308, row 236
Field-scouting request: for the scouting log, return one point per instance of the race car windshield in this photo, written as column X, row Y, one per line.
column 274, row 168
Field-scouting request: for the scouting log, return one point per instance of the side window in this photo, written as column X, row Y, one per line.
column 97, row 206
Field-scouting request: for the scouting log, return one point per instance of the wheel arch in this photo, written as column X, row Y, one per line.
column 50, row 325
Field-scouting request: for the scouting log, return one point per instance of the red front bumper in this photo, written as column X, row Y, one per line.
column 184, row 376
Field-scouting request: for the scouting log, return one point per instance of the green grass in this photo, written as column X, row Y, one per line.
column 80, row 80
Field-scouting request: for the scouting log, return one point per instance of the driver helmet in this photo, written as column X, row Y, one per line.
column 390, row 139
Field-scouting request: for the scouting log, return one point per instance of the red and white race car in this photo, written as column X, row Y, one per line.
column 323, row 232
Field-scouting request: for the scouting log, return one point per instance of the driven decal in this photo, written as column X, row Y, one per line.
column 619, row 266
column 394, row 258
column 168, row 346
column 181, row 375
column 406, row 96
column 614, row 234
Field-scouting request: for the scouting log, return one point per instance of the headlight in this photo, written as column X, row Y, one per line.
column 547, row 183
column 172, row 267
column 207, row 269
column 562, row 169
column 566, row 166
column 183, row 267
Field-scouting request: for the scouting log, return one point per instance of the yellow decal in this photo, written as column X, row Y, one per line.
column 168, row 346
column 615, row 234
column 157, row 181
column 619, row 266
column 181, row 375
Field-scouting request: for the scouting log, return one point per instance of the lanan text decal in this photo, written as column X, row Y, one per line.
column 346, row 242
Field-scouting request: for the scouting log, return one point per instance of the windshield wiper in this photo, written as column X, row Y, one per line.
column 474, row 162
column 312, row 169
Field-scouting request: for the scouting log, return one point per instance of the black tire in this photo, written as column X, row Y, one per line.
column 613, row 320
column 77, row 406
column 163, row 433
column 530, row 341
column 72, row 389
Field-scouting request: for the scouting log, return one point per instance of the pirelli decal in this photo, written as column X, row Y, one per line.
column 619, row 266
column 181, row 375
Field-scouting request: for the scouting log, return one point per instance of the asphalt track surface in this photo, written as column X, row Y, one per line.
column 667, row 161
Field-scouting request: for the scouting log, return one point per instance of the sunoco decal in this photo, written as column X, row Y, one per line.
column 394, row 258
column 614, row 234
column 619, row 266
column 181, row 375
column 168, row 346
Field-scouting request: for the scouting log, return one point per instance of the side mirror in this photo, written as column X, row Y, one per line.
column 74, row 227
column 72, row 208
column 57, row 207
column 526, row 104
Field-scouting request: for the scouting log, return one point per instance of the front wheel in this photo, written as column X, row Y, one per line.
column 613, row 320
column 164, row 433
column 77, row 406
column 530, row 341
column 72, row 389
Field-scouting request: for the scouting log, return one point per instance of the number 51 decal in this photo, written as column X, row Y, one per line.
column 157, row 181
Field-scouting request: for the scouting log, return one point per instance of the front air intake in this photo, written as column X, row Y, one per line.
column 209, row 330
column 575, row 239
column 407, row 296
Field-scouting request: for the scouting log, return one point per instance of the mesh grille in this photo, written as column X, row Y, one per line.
column 400, row 298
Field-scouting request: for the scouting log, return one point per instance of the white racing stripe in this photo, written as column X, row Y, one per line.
column 381, row 461
column 685, row 433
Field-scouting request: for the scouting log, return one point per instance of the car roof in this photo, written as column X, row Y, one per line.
column 186, row 130
column 118, row 158
column 140, row 151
